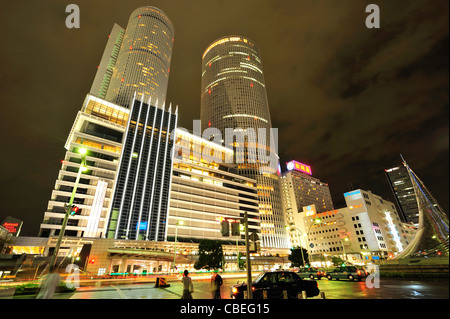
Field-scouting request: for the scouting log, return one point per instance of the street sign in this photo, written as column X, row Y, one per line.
column 311, row 245
column 254, row 236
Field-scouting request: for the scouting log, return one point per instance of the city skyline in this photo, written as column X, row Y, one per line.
column 397, row 76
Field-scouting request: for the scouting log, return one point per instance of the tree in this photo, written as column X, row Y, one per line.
column 296, row 256
column 337, row 261
column 210, row 255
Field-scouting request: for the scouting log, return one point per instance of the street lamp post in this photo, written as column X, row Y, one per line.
column 68, row 206
column 249, row 265
column 179, row 222
column 317, row 221
column 343, row 248
column 300, row 241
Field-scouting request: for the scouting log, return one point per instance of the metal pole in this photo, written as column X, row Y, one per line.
column 67, row 211
column 300, row 242
column 175, row 249
column 237, row 253
column 249, row 266
column 343, row 248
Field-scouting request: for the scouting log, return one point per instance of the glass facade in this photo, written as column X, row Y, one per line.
column 403, row 191
column 233, row 96
column 140, row 202
column 143, row 62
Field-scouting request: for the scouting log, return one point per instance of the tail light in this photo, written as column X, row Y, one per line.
column 359, row 272
column 253, row 288
column 234, row 290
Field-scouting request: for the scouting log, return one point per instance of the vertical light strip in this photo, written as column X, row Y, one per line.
column 136, row 133
column 394, row 232
column 147, row 167
column 154, row 176
column 154, row 171
column 96, row 210
column 118, row 169
column 140, row 159
column 172, row 156
column 164, row 173
column 128, row 169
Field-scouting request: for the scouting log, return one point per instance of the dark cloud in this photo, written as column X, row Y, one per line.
column 347, row 100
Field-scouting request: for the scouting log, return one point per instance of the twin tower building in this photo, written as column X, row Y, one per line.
column 148, row 179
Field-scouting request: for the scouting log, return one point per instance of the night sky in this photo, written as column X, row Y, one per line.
column 347, row 100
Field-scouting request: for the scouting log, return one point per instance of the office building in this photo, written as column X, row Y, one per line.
column 141, row 193
column 403, row 191
column 299, row 188
column 205, row 189
column 135, row 63
column 143, row 61
column 368, row 229
column 99, row 128
column 233, row 96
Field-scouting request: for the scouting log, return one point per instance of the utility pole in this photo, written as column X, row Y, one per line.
column 249, row 266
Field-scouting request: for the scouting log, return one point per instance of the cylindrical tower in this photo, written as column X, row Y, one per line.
column 233, row 89
column 143, row 63
column 234, row 96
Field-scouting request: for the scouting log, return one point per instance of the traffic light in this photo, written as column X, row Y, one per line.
column 73, row 210
column 225, row 228
column 235, row 228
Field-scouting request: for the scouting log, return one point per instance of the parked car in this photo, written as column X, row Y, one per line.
column 274, row 283
column 311, row 273
column 346, row 272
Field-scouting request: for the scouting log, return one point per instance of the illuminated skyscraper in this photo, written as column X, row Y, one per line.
column 109, row 59
column 403, row 191
column 299, row 189
column 233, row 95
column 143, row 62
column 135, row 64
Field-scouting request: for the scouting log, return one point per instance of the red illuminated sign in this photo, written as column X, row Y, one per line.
column 294, row 165
column 13, row 225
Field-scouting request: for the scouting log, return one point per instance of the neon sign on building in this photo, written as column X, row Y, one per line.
column 294, row 165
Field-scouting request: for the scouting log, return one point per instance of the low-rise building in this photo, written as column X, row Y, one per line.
column 368, row 229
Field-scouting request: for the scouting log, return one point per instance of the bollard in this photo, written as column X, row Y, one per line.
column 285, row 296
column 304, row 295
column 322, row 295
column 245, row 294
column 264, row 294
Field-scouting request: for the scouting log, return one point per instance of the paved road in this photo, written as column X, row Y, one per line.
column 389, row 289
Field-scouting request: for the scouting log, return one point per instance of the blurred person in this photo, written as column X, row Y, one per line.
column 49, row 282
column 216, row 283
column 188, row 286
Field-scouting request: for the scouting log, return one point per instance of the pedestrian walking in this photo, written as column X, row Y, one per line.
column 49, row 282
column 188, row 286
column 216, row 283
